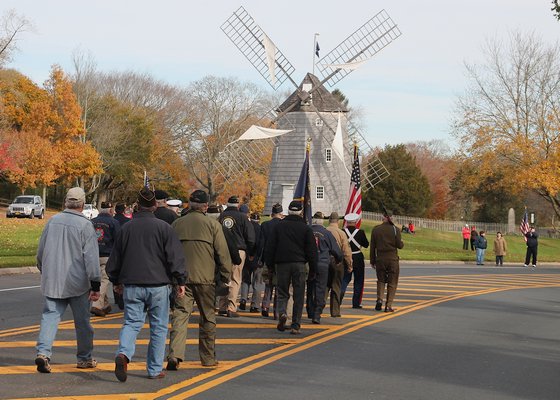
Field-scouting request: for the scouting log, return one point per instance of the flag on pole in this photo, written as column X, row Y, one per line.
column 302, row 192
column 317, row 48
column 146, row 180
column 524, row 226
column 355, row 199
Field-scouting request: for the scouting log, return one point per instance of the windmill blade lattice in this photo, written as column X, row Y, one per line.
column 361, row 45
column 247, row 36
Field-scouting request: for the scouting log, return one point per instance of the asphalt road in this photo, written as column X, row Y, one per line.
column 458, row 333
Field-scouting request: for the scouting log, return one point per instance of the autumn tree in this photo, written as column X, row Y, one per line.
column 12, row 25
column 406, row 191
column 436, row 163
column 509, row 118
column 218, row 111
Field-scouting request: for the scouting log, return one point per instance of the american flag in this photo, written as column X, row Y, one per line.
column 355, row 198
column 524, row 226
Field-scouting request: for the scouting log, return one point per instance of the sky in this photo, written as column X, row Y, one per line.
column 406, row 92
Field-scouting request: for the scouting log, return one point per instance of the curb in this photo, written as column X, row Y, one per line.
column 19, row 270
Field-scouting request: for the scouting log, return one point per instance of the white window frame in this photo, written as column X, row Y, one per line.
column 319, row 192
column 318, row 122
column 328, row 155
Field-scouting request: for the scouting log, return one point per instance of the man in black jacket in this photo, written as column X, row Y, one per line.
column 269, row 271
column 162, row 211
column 244, row 234
column 532, row 247
column 146, row 257
column 291, row 245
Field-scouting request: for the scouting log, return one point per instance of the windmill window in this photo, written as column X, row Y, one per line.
column 328, row 155
column 320, row 193
column 318, row 122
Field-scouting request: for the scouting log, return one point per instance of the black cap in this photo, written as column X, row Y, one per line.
column 214, row 209
column 233, row 200
column 161, row 195
column 146, row 198
column 120, row 207
column 277, row 208
column 106, row 204
column 318, row 215
column 199, row 196
column 255, row 217
column 296, row 205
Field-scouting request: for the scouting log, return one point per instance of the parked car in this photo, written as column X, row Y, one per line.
column 90, row 211
column 26, row 207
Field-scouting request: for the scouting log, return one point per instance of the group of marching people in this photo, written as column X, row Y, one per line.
column 206, row 257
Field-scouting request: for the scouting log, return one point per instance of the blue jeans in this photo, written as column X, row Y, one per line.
column 138, row 300
column 480, row 255
column 53, row 310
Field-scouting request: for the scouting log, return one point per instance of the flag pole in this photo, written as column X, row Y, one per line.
column 314, row 50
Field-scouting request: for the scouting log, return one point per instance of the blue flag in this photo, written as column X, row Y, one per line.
column 302, row 192
column 317, row 48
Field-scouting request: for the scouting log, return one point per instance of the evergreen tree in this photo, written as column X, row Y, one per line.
column 406, row 191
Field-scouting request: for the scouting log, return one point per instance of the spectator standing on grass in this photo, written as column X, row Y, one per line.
column 532, row 247
column 474, row 236
column 500, row 248
column 466, row 232
column 480, row 245
column 68, row 258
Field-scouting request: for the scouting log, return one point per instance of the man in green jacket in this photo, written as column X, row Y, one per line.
column 207, row 260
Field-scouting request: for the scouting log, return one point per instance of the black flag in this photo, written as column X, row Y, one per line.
column 317, row 48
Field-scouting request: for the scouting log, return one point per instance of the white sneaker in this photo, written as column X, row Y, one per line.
column 534, row 266
column 525, row 265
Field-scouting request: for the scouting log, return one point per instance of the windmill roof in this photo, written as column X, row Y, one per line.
column 323, row 100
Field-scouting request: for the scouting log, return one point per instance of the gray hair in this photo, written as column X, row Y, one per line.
column 300, row 212
column 197, row 206
column 73, row 204
column 105, row 210
column 317, row 221
column 233, row 205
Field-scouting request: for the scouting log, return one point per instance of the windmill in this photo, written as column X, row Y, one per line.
column 311, row 112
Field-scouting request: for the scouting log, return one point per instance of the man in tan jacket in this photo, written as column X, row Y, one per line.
column 336, row 270
column 206, row 252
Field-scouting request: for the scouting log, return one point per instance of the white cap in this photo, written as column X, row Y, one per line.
column 467, row 225
column 174, row 203
column 352, row 217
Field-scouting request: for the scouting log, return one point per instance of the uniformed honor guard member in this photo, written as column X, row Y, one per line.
column 358, row 240
column 206, row 251
column 337, row 269
column 384, row 258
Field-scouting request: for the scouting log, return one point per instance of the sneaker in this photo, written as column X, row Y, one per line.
column 85, row 364
column 243, row 304
column 42, row 363
column 295, row 331
column 389, row 309
column 161, row 375
column 534, row 266
column 378, row 305
column 282, row 323
column 121, row 365
column 172, row 364
column 525, row 265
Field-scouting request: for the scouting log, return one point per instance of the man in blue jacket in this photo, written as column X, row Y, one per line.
column 532, row 247
column 317, row 287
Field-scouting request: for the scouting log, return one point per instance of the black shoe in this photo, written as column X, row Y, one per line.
column 264, row 313
column 282, row 323
column 172, row 364
column 222, row 313
column 389, row 309
column 121, row 365
column 232, row 314
column 378, row 305
column 242, row 305
column 295, row 331
column 316, row 321
column 358, row 307
column 254, row 310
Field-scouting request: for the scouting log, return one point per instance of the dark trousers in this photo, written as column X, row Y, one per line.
column 499, row 260
column 472, row 244
column 317, row 291
column 294, row 274
column 359, row 272
column 387, row 271
column 336, row 274
column 531, row 253
column 465, row 244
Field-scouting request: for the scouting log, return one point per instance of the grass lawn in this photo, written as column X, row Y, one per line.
column 19, row 239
